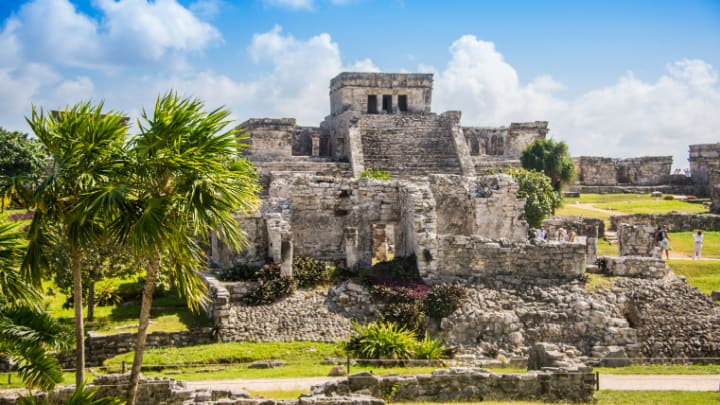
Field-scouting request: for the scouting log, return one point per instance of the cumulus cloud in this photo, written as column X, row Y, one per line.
column 629, row 118
column 130, row 31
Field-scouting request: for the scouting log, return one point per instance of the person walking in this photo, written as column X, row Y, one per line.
column 697, row 246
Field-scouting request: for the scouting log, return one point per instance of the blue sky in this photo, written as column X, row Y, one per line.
column 614, row 78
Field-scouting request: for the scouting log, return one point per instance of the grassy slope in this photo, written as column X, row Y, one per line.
column 702, row 274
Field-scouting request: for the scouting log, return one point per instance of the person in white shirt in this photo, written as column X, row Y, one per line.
column 697, row 246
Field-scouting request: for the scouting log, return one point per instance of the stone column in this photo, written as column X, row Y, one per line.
column 351, row 247
column 286, row 253
column 315, row 145
column 274, row 231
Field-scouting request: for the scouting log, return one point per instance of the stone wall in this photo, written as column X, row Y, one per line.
column 636, row 240
column 99, row 348
column 505, row 142
column 349, row 91
column 302, row 316
column 635, row 266
column 415, row 144
column 702, row 158
column 471, row 385
column 473, row 257
column 715, row 189
column 485, row 206
column 676, row 221
column 299, row 164
column 641, row 171
column 269, row 138
column 590, row 227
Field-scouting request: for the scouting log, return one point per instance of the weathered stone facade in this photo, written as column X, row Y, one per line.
column 675, row 221
column 635, row 266
column 703, row 158
column 715, row 189
column 636, row 240
column 641, row 171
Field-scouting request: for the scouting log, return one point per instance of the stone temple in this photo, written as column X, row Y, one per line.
column 435, row 206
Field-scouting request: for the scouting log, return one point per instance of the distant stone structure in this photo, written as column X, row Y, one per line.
column 641, row 171
column 703, row 158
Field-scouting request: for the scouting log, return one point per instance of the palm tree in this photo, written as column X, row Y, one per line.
column 86, row 148
column 187, row 180
column 27, row 334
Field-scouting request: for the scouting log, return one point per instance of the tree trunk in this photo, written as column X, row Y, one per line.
column 151, row 275
column 91, row 300
column 78, row 306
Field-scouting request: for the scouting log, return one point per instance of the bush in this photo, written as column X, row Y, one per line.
column 381, row 340
column 668, row 197
column 106, row 294
column 408, row 315
column 271, row 287
column 310, row 272
column 376, row 174
column 398, row 272
column 239, row 272
column 443, row 300
column 431, row 349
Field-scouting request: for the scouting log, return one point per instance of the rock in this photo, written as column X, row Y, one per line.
column 266, row 364
column 337, row 371
column 715, row 295
column 616, row 357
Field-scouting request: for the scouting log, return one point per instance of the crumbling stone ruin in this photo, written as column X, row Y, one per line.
column 703, row 159
column 460, row 227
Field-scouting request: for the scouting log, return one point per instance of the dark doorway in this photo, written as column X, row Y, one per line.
column 387, row 103
column 402, row 103
column 372, row 105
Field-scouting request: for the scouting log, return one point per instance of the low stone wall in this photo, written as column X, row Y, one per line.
column 471, row 384
column 473, row 257
column 634, row 266
column 303, row 316
column 166, row 391
column 636, row 240
column 99, row 348
column 590, row 227
column 676, row 221
column 663, row 188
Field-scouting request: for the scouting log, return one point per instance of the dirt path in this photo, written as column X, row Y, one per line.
column 607, row 382
column 590, row 207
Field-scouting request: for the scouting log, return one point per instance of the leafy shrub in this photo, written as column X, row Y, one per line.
column 376, row 174
column 310, row 272
column 409, row 315
column 397, row 272
column 690, row 197
column 381, row 340
column 443, row 300
column 271, row 287
column 668, row 197
column 82, row 396
column 431, row 349
column 106, row 294
column 239, row 272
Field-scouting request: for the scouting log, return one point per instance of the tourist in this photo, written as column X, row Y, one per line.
column 697, row 246
column 540, row 234
column 572, row 235
column 562, row 234
column 662, row 240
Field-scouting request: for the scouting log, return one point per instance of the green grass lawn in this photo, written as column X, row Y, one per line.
column 682, row 242
column 702, row 274
column 604, row 248
column 636, row 203
column 169, row 313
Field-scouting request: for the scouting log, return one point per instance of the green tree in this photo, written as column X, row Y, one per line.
column 22, row 160
column 27, row 334
column 187, row 180
column 551, row 158
column 541, row 199
column 86, row 147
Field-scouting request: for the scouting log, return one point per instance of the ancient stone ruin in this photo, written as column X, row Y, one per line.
column 459, row 225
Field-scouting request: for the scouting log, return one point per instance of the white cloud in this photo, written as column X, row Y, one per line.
column 629, row 118
column 291, row 4
column 207, row 9
column 129, row 32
